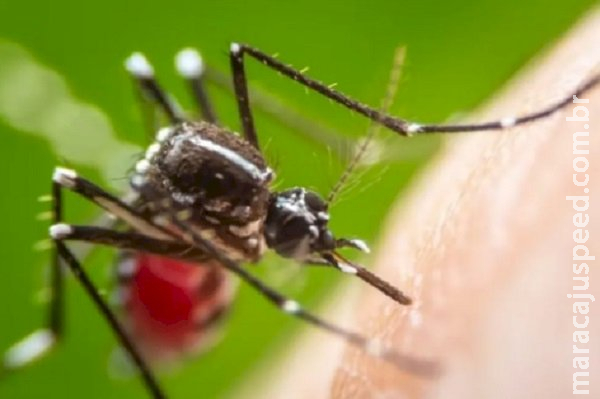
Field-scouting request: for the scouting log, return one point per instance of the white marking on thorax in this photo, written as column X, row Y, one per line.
column 216, row 206
column 142, row 166
column 152, row 150
column 246, row 230
column 164, row 133
column 182, row 198
column 138, row 180
column 254, row 171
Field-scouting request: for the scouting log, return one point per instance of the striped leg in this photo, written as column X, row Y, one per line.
column 42, row 341
column 191, row 67
column 401, row 126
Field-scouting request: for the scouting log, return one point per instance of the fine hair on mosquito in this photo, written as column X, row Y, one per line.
column 201, row 204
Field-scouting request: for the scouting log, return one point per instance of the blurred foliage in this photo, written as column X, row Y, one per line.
column 458, row 54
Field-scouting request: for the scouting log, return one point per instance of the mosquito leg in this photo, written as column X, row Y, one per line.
column 240, row 87
column 63, row 178
column 128, row 241
column 404, row 362
column 394, row 123
column 143, row 73
column 191, row 67
column 56, row 319
column 41, row 341
column 69, row 179
column 149, row 380
column 340, row 145
column 287, row 116
column 150, row 113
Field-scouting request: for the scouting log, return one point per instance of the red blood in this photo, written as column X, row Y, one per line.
column 171, row 304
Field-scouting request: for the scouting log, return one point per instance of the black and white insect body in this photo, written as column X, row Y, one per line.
column 202, row 204
column 220, row 184
column 218, row 181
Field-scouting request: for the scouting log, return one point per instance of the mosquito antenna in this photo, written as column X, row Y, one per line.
column 359, row 185
column 374, row 128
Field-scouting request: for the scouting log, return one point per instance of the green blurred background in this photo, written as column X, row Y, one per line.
column 458, row 54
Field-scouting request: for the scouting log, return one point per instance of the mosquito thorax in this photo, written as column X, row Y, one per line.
column 297, row 224
column 209, row 177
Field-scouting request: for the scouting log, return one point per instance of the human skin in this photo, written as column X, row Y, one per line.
column 483, row 243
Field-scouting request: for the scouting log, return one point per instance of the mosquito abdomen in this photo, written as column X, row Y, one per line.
column 171, row 307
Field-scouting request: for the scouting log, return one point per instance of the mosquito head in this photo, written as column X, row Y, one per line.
column 296, row 224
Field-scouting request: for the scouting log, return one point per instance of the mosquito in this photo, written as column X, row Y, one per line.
column 202, row 205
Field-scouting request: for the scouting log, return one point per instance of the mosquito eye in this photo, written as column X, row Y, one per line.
column 327, row 240
column 288, row 235
column 295, row 229
column 314, row 202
